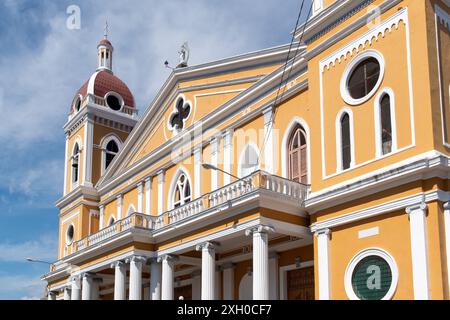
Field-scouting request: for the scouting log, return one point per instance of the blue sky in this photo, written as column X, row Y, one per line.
column 43, row 63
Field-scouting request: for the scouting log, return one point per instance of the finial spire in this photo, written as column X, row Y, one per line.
column 106, row 29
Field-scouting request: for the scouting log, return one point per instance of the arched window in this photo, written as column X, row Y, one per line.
column 182, row 191
column 111, row 221
column 111, row 150
column 346, row 147
column 297, row 156
column 386, row 124
column 248, row 162
column 75, row 163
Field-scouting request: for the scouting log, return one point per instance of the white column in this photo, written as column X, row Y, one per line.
column 135, row 289
column 419, row 251
column 227, row 155
column 140, row 190
column 260, row 261
column 119, row 207
column 447, row 238
column 76, row 288
column 228, row 281
column 198, row 172
column 66, row 158
column 160, row 192
column 120, row 275
column 196, row 285
column 168, row 263
column 102, row 217
column 218, row 283
column 52, row 296
column 323, row 238
column 155, row 280
column 268, row 135
column 273, row 276
column 87, row 287
column 66, row 294
column 148, row 196
column 214, row 162
column 88, row 147
column 208, row 269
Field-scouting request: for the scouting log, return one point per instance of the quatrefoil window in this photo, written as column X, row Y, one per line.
column 180, row 114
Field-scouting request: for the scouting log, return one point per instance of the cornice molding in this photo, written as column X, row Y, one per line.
column 443, row 16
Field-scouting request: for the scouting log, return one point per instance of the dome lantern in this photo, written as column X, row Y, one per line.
column 105, row 52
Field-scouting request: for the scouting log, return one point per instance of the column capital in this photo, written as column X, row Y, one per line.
column 75, row 278
column 118, row 263
column 228, row 265
column 168, row 258
column 446, row 205
column 207, row 245
column 119, row 198
column 140, row 187
column 421, row 206
column 152, row 260
column 136, row 259
column 324, row 231
column 259, row 229
column 148, row 179
column 161, row 176
column 267, row 112
column 91, row 276
column 274, row 255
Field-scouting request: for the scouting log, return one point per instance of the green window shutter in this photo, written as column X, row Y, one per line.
column 372, row 278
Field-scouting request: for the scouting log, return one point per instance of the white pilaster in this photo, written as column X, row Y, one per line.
column 208, row 250
column 268, row 134
column 198, row 172
column 66, row 159
column 419, row 250
column 120, row 275
column 140, row 190
column 102, row 217
column 135, row 289
column 119, row 207
column 168, row 263
column 260, row 261
column 228, row 281
column 148, row 196
column 214, row 162
column 218, row 284
column 76, row 288
column 323, row 238
column 161, row 178
column 273, row 276
column 196, row 285
column 227, row 155
column 447, row 238
column 88, row 148
column 66, row 294
column 155, row 280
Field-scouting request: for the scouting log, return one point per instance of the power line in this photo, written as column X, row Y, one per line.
column 275, row 110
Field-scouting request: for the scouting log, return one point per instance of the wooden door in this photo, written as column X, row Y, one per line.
column 300, row 284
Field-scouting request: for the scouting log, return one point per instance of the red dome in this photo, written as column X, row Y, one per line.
column 105, row 42
column 103, row 82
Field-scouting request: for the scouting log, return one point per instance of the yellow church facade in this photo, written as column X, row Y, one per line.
column 313, row 170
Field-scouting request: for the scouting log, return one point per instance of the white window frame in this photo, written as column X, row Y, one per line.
column 339, row 164
column 174, row 110
column 103, row 144
column 377, row 117
column 118, row 96
column 70, row 241
column 366, row 253
column 174, row 184
column 242, row 158
column 349, row 70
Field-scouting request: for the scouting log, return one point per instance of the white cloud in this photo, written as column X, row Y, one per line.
column 44, row 248
column 21, row 287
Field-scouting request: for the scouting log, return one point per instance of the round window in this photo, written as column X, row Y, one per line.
column 371, row 275
column 371, row 278
column 362, row 77
column 69, row 234
column 113, row 102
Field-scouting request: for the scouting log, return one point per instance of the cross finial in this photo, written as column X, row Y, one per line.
column 106, row 29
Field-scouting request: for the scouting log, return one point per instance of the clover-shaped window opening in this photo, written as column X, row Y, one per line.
column 180, row 114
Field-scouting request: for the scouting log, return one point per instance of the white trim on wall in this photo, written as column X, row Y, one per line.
column 285, row 147
column 377, row 117
column 104, row 143
column 339, row 116
column 181, row 170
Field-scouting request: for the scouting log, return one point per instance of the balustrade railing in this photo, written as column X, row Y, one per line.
column 235, row 190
